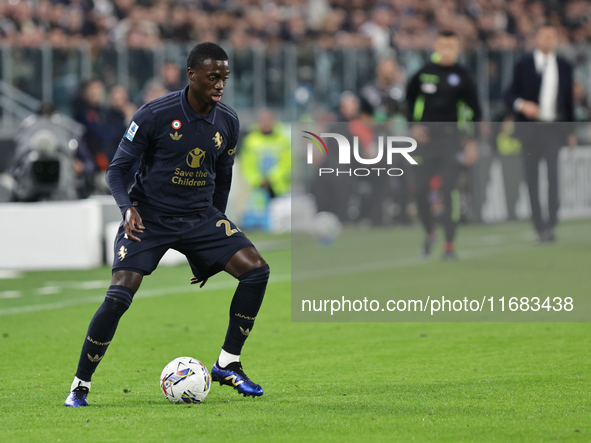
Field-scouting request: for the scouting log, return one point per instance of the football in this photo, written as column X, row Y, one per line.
column 185, row 380
column 326, row 227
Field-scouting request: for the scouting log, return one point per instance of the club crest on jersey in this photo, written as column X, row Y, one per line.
column 195, row 157
column 176, row 136
column 176, row 125
column 453, row 79
column 130, row 134
column 218, row 140
column 122, row 253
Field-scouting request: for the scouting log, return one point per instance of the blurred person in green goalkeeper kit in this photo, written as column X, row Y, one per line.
column 265, row 163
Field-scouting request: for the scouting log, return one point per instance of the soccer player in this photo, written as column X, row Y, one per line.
column 442, row 91
column 186, row 142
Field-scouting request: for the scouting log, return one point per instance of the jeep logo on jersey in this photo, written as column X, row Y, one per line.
column 195, row 157
column 393, row 146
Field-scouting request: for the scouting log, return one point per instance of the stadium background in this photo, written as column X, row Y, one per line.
column 98, row 61
column 460, row 382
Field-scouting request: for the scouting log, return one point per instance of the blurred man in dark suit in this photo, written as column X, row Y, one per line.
column 542, row 91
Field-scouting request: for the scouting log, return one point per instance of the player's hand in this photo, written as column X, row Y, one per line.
column 133, row 224
column 420, row 133
column 530, row 109
column 195, row 280
column 470, row 154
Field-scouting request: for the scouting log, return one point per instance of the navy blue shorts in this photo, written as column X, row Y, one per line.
column 209, row 240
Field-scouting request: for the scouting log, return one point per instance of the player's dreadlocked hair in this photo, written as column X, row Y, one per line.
column 205, row 51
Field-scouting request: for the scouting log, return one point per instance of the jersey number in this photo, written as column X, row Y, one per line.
column 229, row 230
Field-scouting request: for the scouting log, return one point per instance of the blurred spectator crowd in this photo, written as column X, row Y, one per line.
column 87, row 142
column 398, row 24
column 103, row 108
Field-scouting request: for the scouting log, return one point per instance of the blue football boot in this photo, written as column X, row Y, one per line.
column 77, row 397
column 233, row 375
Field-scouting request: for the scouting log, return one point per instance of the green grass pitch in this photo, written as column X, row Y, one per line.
column 323, row 381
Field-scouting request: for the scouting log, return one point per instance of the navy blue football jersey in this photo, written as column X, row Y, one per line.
column 185, row 159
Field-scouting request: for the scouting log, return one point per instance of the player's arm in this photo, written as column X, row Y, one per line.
column 414, row 113
column 513, row 98
column 472, row 115
column 134, row 143
column 513, row 93
column 223, row 174
column 413, row 89
column 569, row 96
column 570, row 109
column 471, row 99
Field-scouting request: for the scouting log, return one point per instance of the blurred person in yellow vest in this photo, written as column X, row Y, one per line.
column 265, row 157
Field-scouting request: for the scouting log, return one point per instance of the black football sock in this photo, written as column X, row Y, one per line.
column 102, row 329
column 245, row 307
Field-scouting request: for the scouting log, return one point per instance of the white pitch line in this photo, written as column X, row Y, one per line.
column 48, row 290
column 9, row 273
column 10, row 294
column 149, row 293
column 404, row 262
column 82, row 285
column 306, row 275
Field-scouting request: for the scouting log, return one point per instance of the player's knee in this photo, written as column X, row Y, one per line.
column 129, row 279
column 120, row 296
column 258, row 275
column 253, row 258
column 258, row 261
